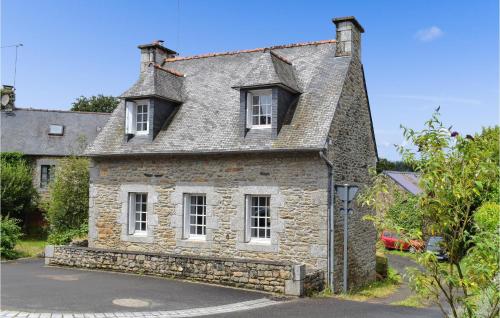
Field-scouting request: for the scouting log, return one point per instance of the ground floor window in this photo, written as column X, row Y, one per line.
column 138, row 217
column 259, row 217
column 46, row 175
column 196, row 215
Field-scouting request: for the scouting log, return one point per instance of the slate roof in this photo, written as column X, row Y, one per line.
column 158, row 82
column 26, row 130
column 407, row 180
column 271, row 69
column 208, row 119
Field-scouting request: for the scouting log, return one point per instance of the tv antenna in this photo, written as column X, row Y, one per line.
column 15, row 61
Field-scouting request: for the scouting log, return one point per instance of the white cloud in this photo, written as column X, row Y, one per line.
column 429, row 34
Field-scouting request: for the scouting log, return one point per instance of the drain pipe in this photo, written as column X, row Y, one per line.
column 331, row 222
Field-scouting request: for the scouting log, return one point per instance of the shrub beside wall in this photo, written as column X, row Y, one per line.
column 10, row 233
column 69, row 201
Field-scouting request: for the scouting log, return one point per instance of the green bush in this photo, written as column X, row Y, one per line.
column 66, row 236
column 405, row 213
column 69, row 196
column 10, row 234
column 18, row 196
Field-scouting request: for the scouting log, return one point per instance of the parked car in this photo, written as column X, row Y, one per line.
column 393, row 241
column 434, row 246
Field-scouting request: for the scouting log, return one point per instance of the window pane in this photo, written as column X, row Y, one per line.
column 143, row 226
column 265, row 99
column 255, row 100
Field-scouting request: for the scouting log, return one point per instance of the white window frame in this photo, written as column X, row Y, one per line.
column 131, row 108
column 188, row 213
column 136, row 113
column 250, row 109
column 250, row 217
column 133, row 212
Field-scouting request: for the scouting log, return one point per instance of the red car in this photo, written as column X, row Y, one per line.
column 392, row 241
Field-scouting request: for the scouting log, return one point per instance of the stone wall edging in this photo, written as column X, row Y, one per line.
column 200, row 257
column 264, row 275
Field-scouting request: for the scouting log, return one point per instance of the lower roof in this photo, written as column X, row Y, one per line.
column 26, row 130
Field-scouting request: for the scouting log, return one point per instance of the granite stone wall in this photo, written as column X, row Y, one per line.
column 296, row 183
column 353, row 152
column 270, row 276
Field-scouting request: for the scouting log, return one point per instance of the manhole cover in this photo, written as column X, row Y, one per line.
column 130, row 302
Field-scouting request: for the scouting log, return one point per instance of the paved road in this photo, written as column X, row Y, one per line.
column 30, row 286
column 334, row 308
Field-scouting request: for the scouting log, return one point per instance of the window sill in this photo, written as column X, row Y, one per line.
column 260, row 241
column 140, row 234
column 261, row 127
column 197, row 238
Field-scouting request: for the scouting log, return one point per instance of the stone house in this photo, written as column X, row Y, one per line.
column 46, row 136
column 220, row 168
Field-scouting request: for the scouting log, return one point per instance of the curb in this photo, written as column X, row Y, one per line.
column 195, row 312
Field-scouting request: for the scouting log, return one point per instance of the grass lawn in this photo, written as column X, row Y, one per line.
column 413, row 301
column 30, row 247
column 412, row 256
column 376, row 289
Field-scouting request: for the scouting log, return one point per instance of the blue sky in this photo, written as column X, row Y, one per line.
column 417, row 54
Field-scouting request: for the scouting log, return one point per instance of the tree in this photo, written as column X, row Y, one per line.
column 384, row 164
column 99, row 103
column 69, row 195
column 459, row 176
column 395, row 209
column 18, row 196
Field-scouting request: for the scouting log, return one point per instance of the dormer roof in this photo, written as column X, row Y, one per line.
column 208, row 121
column 156, row 81
column 271, row 69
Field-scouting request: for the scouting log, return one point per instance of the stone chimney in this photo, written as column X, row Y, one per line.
column 348, row 37
column 154, row 53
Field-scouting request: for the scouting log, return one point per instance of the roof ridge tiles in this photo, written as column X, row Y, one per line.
column 276, row 47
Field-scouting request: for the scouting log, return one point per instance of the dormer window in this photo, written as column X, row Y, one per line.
column 259, row 109
column 142, row 121
column 137, row 117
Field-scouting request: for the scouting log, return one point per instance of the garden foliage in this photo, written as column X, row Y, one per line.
column 459, row 201
column 18, row 196
column 10, row 234
column 69, row 198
